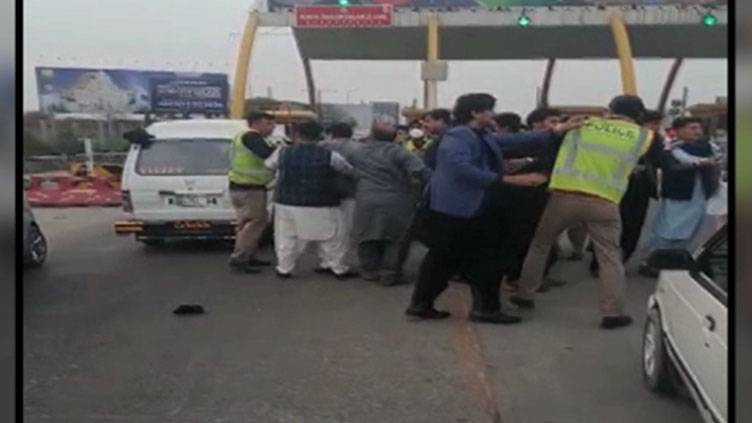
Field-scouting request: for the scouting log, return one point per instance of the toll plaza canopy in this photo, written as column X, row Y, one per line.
column 437, row 31
column 501, row 29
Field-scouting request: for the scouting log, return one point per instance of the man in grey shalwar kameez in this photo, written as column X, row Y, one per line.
column 385, row 203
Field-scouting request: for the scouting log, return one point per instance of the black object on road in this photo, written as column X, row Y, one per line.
column 188, row 309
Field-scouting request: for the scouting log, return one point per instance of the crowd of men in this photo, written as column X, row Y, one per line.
column 487, row 194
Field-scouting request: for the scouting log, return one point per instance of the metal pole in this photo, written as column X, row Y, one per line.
column 669, row 84
column 623, row 53
column 89, row 156
column 310, row 84
column 685, row 99
column 432, row 55
column 240, row 79
column 546, row 88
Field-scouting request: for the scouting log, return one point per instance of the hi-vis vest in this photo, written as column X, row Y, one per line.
column 598, row 157
column 409, row 146
column 245, row 167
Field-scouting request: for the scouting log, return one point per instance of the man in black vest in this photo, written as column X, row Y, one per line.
column 685, row 189
column 306, row 203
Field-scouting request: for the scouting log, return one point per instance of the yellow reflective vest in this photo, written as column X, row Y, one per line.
column 246, row 168
column 409, row 146
column 598, row 157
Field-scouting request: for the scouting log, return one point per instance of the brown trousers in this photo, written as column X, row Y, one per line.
column 603, row 223
column 250, row 207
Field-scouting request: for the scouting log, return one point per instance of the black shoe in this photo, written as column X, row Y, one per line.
column 283, row 275
column 615, row 322
column 522, row 302
column 544, row 287
column 371, row 276
column 243, row 268
column 347, row 275
column 494, row 317
column 256, row 262
column 393, row 281
column 427, row 313
column 323, row 271
column 648, row 272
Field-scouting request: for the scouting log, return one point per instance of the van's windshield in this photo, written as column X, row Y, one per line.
column 196, row 156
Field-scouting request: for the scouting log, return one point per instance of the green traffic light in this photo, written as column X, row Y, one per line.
column 524, row 20
column 344, row 2
column 709, row 19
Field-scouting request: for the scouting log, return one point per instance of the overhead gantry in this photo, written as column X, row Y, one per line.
column 434, row 37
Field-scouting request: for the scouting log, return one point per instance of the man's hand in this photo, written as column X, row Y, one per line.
column 708, row 162
column 571, row 123
column 526, row 179
column 516, row 165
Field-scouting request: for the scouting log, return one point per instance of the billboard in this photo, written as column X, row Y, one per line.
column 174, row 94
column 280, row 4
column 80, row 90
column 360, row 16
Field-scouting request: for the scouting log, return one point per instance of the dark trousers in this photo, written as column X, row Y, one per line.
column 633, row 210
column 472, row 247
column 381, row 256
column 522, row 209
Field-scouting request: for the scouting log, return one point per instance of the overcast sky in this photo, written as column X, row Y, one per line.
column 202, row 35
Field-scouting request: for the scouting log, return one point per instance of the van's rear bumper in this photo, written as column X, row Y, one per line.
column 177, row 229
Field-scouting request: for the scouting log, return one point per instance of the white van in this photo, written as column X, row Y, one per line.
column 175, row 186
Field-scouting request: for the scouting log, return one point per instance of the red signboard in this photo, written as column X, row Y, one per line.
column 337, row 16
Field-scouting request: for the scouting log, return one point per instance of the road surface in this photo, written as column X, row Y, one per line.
column 102, row 346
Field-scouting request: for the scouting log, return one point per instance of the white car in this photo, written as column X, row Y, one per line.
column 686, row 332
column 175, row 184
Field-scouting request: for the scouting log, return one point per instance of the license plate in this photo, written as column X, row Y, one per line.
column 192, row 224
column 191, row 201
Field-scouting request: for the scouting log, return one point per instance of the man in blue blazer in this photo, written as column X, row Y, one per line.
column 464, row 230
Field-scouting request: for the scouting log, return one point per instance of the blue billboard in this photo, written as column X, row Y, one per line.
column 81, row 90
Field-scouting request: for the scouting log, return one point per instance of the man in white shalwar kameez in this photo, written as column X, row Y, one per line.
column 306, row 203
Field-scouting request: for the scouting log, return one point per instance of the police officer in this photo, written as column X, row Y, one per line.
column 248, row 180
column 589, row 179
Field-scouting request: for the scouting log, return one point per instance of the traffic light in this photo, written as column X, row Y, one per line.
column 343, row 3
column 524, row 20
column 709, row 19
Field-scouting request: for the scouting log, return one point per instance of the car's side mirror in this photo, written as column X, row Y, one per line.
column 26, row 183
column 671, row 260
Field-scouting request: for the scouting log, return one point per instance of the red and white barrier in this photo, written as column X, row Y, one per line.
column 66, row 191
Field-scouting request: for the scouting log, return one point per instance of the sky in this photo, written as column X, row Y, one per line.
column 203, row 35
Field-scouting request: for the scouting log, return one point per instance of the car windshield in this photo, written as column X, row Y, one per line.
column 196, row 156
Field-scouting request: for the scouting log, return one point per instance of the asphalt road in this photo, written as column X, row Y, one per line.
column 101, row 345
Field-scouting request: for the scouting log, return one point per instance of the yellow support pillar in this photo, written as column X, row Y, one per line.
column 431, row 92
column 623, row 53
column 240, row 79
